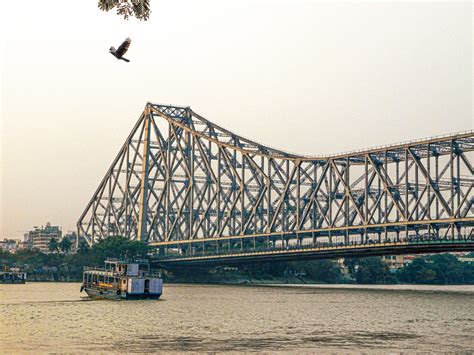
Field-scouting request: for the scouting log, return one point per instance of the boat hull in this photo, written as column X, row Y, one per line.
column 100, row 294
column 12, row 281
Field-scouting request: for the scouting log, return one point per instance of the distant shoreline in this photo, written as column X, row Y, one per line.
column 339, row 286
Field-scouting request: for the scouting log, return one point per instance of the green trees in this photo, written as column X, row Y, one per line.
column 468, row 272
column 370, row 270
column 119, row 247
column 111, row 247
column 325, row 271
column 31, row 259
column 448, row 269
column 69, row 265
column 83, row 248
column 6, row 258
column 65, row 245
column 443, row 269
column 319, row 271
column 126, row 8
column 419, row 271
column 373, row 271
column 265, row 270
column 53, row 245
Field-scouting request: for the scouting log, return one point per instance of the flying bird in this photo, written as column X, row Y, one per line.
column 118, row 53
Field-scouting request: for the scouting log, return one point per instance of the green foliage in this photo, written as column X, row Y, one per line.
column 53, row 245
column 468, row 272
column 435, row 269
column 6, row 258
column 71, row 265
column 31, row 260
column 127, row 8
column 266, row 270
column 65, row 245
column 83, row 248
column 119, row 247
column 326, row 271
column 321, row 271
column 443, row 269
column 448, row 269
column 373, row 271
column 350, row 264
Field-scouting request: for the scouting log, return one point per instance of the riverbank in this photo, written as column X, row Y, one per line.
column 443, row 269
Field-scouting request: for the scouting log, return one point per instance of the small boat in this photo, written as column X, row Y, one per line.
column 122, row 279
column 12, row 275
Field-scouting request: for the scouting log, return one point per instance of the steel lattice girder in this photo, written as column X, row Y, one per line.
column 179, row 178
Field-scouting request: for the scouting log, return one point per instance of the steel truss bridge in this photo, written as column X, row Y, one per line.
column 200, row 193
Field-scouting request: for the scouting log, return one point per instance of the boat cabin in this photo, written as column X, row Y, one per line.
column 127, row 268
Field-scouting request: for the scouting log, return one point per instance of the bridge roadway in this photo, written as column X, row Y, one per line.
column 434, row 236
column 305, row 252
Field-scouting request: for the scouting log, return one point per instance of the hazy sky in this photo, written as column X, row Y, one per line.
column 310, row 77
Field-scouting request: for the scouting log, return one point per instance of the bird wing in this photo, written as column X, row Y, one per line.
column 124, row 47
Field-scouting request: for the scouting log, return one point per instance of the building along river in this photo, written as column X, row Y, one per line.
column 52, row 317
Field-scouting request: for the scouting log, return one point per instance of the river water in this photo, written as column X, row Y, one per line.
column 53, row 318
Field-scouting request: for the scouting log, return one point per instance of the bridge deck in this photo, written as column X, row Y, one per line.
column 321, row 252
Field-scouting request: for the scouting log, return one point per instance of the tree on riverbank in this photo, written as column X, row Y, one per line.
column 83, row 248
column 443, row 269
column 65, row 245
column 70, row 266
column 436, row 269
column 373, row 271
column 118, row 247
column 53, row 245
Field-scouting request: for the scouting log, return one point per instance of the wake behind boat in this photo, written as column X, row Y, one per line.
column 122, row 279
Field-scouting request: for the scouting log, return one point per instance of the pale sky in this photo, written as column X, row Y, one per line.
column 309, row 77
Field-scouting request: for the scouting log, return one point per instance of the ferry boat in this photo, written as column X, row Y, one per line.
column 121, row 279
column 12, row 276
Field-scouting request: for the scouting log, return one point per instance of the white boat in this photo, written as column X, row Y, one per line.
column 12, row 275
column 122, row 279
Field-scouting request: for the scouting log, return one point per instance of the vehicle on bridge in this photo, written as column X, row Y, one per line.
column 122, row 279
